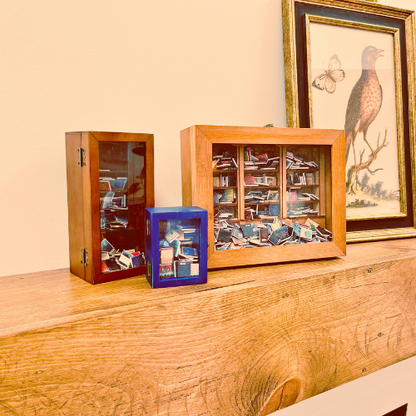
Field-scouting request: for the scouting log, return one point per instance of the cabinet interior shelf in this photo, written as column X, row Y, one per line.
column 263, row 186
column 262, row 203
column 300, row 186
column 299, row 201
column 117, row 230
column 261, row 170
column 303, row 170
column 107, row 173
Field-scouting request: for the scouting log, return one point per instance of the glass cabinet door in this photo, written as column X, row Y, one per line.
column 266, row 194
column 122, row 204
column 179, row 248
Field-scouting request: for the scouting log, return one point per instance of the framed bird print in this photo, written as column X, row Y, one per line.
column 350, row 65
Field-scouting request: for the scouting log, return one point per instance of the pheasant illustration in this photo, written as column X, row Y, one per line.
column 365, row 100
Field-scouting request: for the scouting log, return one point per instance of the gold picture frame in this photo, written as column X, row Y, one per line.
column 336, row 34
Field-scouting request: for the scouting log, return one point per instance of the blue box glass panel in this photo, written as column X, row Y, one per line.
column 176, row 246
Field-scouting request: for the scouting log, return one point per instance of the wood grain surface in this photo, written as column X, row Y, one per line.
column 249, row 342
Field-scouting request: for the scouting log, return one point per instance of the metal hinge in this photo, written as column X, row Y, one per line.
column 149, row 269
column 84, row 256
column 147, row 227
column 81, row 156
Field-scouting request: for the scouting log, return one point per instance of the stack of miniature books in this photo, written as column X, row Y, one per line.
column 114, row 260
column 297, row 170
column 293, row 162
column 259, row 161
column 225, row 161
column 178, row 254
column 231, row 235
column 296, row 203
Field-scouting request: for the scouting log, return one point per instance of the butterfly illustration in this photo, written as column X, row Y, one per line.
column 327, row 81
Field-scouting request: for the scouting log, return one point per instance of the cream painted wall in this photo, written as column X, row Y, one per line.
column 373, row 395
column 154, row 66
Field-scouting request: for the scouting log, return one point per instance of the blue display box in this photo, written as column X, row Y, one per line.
column 176, row 246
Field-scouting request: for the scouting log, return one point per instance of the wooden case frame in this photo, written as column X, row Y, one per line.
column 153, row 218
column 83, row 177
column 197, row 187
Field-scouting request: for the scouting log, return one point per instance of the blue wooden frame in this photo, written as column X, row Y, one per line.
column 153, row 218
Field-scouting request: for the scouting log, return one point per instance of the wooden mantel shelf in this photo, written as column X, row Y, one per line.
column 249, row 342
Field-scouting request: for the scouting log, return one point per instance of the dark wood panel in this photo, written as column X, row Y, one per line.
column 400, row 411
column 75, row 200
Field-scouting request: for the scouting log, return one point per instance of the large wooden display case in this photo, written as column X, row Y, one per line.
column 110, row 179
column 272, row 194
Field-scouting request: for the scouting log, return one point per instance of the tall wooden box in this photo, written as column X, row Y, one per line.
column 272, row 194
column 176, row 246
column 110, row 180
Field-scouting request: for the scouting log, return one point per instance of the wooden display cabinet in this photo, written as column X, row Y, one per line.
column 176, row 246
column 272, row 194
column 110, row 178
